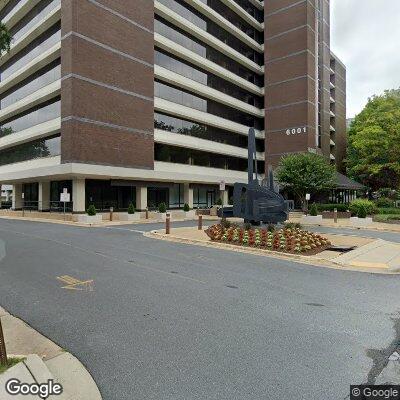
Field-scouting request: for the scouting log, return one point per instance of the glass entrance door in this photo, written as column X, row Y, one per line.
column 210, row 198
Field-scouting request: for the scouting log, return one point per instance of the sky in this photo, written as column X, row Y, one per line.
column 365, row 35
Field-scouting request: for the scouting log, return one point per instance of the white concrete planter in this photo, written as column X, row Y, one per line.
column 90, row 219
column 162, row 216
column 214, row 210
column 360, row 222
column 129, row 217
column 311, row 219
column 190, row 214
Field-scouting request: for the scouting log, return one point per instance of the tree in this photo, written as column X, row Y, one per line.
column 374, row 143
column 306, row 173
column 5, row 38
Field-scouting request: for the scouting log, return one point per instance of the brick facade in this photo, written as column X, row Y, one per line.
column 108, row 82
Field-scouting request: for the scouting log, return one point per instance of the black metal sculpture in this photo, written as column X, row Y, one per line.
column 253, row 202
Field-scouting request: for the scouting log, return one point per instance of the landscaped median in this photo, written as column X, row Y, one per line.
column 289, row 239
column 295, row 244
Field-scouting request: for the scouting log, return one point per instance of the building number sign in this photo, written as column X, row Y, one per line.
column 296, row 131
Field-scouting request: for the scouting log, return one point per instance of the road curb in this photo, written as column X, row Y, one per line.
column 62, row 366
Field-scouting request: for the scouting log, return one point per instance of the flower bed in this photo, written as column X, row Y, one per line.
column 286, row 240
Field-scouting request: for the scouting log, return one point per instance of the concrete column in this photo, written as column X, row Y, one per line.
column 224, row 197
column 141, row 198
column 17, row 200
column 44, row 196
column 79, row 195
column 188, row 194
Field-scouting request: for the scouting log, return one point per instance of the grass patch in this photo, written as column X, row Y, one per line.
column 11, row 363
column 391, row 211
column 387, row 217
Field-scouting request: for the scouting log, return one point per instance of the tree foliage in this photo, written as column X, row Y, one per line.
column 306, row 173
column 5, row 38
column 373, row 156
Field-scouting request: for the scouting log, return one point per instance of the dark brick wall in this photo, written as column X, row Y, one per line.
column 107, row 89
column 340, row 135
column 290, row 72
column 297, row 43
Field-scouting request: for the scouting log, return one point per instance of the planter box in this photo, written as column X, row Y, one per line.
column 311, row 219
column 129, row 217
column 190, row 214
column 90, row 219
column 162, row 216
column 360, row 222
column 340, row 214
column 214, row 210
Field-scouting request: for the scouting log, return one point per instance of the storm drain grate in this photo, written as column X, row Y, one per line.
column 341, row 249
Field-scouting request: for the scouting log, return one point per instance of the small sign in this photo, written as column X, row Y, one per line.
column 308, row 196
column 222, row 186
column 65, row 197
column 23, row 195
column 65, row 190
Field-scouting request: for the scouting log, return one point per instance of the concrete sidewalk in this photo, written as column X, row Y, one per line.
column 44, row 361
column 379, row 253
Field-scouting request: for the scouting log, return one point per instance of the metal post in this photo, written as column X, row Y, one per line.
column 147, row 213
column 64, row 210
column 335, row 215
column 23, row 211
column 3, row 352
column 200, row 226
column 111, row 213
column 168, row 224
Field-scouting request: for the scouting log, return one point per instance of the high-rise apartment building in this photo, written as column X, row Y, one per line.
column 143, row 101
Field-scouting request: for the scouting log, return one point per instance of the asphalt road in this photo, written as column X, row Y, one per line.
column 180, row 322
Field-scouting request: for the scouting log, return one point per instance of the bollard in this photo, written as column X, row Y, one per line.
column 200, row 226
column 335, row 215
column 111, row 213
column 147, row 213
column 3, row 352
column 168, row 224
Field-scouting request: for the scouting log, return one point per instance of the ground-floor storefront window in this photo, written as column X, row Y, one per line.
column 56, row 188
column 103, row 195
column 30, row 196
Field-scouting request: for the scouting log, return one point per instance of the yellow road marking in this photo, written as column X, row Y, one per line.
column 76, row 284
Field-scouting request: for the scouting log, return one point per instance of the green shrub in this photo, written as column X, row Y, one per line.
column 131, row 208
column 225, row 223
column 388, row 192
column 186, row 207
column 392, row 210
column 91, row 210
column 362, row 212
column 219, row 202
column 247, row 226
column 162, row 208
column 314, row 210
column 291, row 225
column 384, row 202
column 356, row 205
column 331, row 207
column 271, row 228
